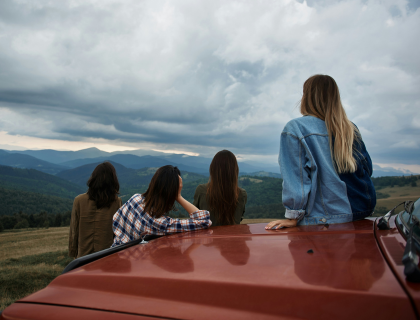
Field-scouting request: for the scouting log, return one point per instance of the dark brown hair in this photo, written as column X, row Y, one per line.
column 321, row 98
column 162, row 192
column 223, row 191
column 103, row 185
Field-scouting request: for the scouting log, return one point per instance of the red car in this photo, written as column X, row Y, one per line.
column 342, row 271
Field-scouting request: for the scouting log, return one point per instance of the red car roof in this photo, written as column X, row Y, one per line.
column 243, row 272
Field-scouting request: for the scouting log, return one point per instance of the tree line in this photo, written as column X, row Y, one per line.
column 43, row 219
column 36, row 210
column 383, row 182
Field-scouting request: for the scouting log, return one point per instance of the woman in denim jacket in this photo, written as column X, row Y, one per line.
column 324, row 163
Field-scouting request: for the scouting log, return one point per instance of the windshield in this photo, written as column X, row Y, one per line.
column 409, row 222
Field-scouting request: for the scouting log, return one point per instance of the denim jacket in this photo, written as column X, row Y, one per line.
column 313, row 192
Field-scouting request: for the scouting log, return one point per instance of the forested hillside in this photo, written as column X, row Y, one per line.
column 131, row 180
column 264, row 196
column 13, row 201
column 32, row 180
column 383, row 182
column 26, row 192
column 22, row 220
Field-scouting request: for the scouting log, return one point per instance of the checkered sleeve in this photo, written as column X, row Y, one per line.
column 131, row 221
column 126, row 221
column 198, row 220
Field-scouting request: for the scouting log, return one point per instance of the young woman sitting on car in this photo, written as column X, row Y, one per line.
column 221, row 195
column 146, row 213
column 324, row 163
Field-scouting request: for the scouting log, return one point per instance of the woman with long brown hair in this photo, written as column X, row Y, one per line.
column 91, row 217
column 324, row 163
column 221, row 195
column 147, row 213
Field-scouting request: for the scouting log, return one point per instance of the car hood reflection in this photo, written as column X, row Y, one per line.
column 350, row 262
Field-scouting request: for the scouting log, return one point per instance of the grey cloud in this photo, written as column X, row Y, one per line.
column 204, row 75
column 413, row 5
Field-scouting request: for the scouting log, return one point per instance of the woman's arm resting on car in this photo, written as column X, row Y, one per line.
column 295, row 169
column 283, row 223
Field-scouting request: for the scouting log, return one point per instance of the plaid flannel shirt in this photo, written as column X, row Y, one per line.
column 131, row 221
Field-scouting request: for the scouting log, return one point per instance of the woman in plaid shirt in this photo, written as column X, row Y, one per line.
column 145, row 213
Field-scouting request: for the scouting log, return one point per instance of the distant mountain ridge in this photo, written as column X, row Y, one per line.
column 56, row 157
column 133, row 162
column 28, row 162
column 53, row 161
column 379, row 171
column 136, row 159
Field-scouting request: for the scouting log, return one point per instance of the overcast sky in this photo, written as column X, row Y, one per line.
column 200, row 76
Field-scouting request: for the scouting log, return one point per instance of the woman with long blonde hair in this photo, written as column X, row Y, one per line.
column 221, row 195
column 324, row 163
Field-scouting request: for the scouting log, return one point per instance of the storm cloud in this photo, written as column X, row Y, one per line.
column 199, row 76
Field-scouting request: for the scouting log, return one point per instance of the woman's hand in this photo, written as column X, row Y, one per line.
column 283, row 223
column 189, row 207
column 179, row 189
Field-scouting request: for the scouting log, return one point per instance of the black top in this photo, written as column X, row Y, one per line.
column 200, row 202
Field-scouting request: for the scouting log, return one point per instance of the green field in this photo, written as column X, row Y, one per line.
column 29, row 260
column 397, row 195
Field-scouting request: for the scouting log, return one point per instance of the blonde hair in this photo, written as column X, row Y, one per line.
column 321, row 99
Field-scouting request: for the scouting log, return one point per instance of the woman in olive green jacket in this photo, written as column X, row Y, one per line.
column 221, row 195
column 91, row 217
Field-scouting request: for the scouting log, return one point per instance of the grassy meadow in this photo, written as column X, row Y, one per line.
column 397, row 195
column 29, row 260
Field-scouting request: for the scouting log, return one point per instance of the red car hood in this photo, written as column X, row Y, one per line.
column 243, row 272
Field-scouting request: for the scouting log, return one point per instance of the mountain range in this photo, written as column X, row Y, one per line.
column 29, row 162
column 54, row 161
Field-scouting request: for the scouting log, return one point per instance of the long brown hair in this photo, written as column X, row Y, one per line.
column 103, row 185
column 223, row 191
column 321, row 98
column 162, row 192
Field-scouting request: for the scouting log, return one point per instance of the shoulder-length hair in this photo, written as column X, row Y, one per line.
column 162, row 192
column 223, row 191
column 103, row 185
column 321, row 98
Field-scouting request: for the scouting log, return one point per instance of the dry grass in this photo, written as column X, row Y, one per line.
column 30, row 260
column 398, row 195
column 18, row 244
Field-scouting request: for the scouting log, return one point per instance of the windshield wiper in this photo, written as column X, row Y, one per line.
column 410, row 258
column 383, row 222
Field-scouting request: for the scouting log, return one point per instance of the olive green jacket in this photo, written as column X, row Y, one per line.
column 200, row 202
column 90, row 228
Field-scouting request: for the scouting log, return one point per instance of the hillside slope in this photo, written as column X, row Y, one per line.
column 25, row 161
column 31, row 180
column 131, row 180
column 264, row 196
column 14, row 201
